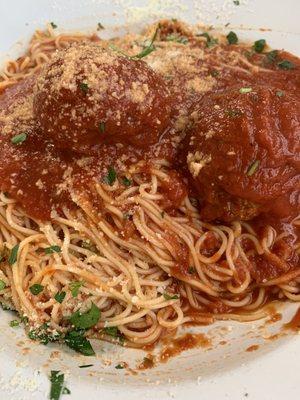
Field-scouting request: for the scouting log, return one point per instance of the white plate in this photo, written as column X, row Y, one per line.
column 225, row 372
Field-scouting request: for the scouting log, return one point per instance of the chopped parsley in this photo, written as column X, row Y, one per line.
column 286, row 65
column 232, row 38
column 36, row 289
column 120, row 366
column 115, row 333
column 54, row 26
column 145, row 52
column 171, row 297
column 162, row 214
column 111, row 176
column 177, row 38
column 60, row 296
column 102, row 127
column 57, row 385
column 77, row 341
column 24, row 319
column 192, row 270
column 214, row 73
column 272, row 56
column 86, row 320
column 126, row 181
column 86, row 366
column 279, row 93
column 3, row 256
column 236, row 2
column 13, row 255
column 148, row 49
column 84, row 87
column 42, row 334
column 14, row 323
column 249, row 53
column 100, row 26
column 2, row 284
column 245, row 90
column 86, row 244
column 74, row 287
column 259, row 45
column 52, row 249
column 253, row 168
column 18, row 139
column 210, row 41
column 233, row 113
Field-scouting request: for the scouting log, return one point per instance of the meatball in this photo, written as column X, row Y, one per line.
column 87, row 95
column 243, row 155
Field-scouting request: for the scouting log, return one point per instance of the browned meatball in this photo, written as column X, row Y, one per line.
column 244, row 154
column 87, row 95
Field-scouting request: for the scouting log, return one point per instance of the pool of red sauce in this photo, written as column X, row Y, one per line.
column 172, row 347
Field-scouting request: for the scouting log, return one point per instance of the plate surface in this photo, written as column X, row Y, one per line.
column 226, row 371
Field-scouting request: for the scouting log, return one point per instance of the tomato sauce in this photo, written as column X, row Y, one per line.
column 228, row 123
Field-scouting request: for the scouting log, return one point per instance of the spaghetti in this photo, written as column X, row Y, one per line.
column 146, row 267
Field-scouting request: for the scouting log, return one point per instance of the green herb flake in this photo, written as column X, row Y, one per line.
column 18, row 139
column 86, row 244
column 86, row 320
column 74, row 287
column 76, row 341
column 192, row 270
column 84, row 87
column 210, row 41
column 148, row 49
column 111, row 176
column 177, row 38
column 100, row 26
column 126, row 181
column 236, row 2
column 233, row 113
column 249, row 53
column 13, row 255
column 60, row 296
column 162, row 214
column 259, row 45
column 286, row 65
column 245, row 90
column 24, row 319
column 114, row 332
column 36, row 289
column 2, row 284
column 52, row 249
column 102, row 127
column 54, row 26
column 253, row 168
column 232, row 38
column 279, row 93
column 86, row 366
column 14, row 323
column 119, row 366
column 171, row 297
column 42, row 335
column 57, row 385
column 272, row 56
column 66, row 391
column 214, row 73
